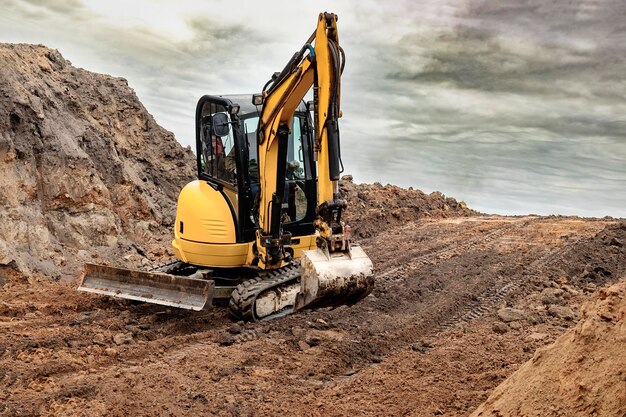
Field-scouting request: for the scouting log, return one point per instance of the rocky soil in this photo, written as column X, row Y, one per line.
column 84, row 169
column 583, row 373
column 462, row 300
column 460, row 304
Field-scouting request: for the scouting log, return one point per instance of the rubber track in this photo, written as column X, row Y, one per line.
column 243, row 298
column 166, row 266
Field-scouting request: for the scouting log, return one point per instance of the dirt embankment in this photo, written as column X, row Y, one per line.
column 373, row 208
column 85, row 171
column 583, row 373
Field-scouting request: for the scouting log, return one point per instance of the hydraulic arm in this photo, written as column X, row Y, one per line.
column 335, row 273
column 318, row 66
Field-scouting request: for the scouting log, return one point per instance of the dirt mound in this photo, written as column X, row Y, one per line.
column 374, row 207
column 581, row 374
column 85, row 170
column 596, row 262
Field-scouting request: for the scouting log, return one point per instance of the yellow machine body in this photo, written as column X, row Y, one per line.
column 204, row 231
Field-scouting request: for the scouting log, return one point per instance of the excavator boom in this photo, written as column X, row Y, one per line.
column 335, row 273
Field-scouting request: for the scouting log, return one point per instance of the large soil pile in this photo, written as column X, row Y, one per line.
column 85, row 170
column 582, row 374
column 374, row 208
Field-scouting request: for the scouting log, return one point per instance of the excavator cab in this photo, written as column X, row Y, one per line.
column 228, row 176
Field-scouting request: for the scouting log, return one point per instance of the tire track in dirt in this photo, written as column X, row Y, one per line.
column 479, row 263
column 437, row 308
column 492, row 296
column 446, row 250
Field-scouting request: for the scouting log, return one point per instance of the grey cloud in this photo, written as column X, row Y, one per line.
column 59, row 6
column 40, row 9
column 475, row 60
column 513, row 106
column 208, row 29
column 505, row 52
column 519, row 100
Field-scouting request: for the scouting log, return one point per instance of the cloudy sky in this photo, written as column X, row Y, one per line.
column 515, row 107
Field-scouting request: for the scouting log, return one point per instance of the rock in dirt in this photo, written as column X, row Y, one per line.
column 226, row 339
column 561, row 312
column 312, row 340
column 580, row 374
column 123, row 338
column 81, row 319
column 418, row 347
column 552, row 296
column 298, row 331
column 500, row 328
column 533, row 337
column 235, row 329
column 508, row 314
column 110, row 352
column 99, row 339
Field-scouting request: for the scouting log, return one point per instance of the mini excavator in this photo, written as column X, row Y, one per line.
column 262, row 225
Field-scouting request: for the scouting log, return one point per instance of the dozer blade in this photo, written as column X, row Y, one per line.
column 334, row 279
column 152, row 287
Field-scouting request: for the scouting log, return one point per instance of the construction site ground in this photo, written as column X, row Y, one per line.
column 460, row 303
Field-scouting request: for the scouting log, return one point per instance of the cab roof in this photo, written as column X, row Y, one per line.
column 246, row 106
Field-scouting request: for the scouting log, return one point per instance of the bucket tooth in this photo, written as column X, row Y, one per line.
column 334, row 279
column 151, row 287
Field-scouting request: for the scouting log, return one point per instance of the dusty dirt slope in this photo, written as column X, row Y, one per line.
column 461, row 301
column 374, row 208
column 460, row 304
column 583, row 373
column 84, row 168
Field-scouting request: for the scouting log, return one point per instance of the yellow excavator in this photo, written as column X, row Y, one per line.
column 262, row 225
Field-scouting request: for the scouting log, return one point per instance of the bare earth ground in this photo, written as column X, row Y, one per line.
column 583, row 373
column 460, row 304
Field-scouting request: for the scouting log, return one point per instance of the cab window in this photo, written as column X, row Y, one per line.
column 295, row 204
column 218, row 152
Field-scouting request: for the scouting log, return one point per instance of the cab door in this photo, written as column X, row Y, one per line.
column 217, row 153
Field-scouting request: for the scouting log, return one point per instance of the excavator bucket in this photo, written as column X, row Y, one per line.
column 334, row 279
column 152, row 287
